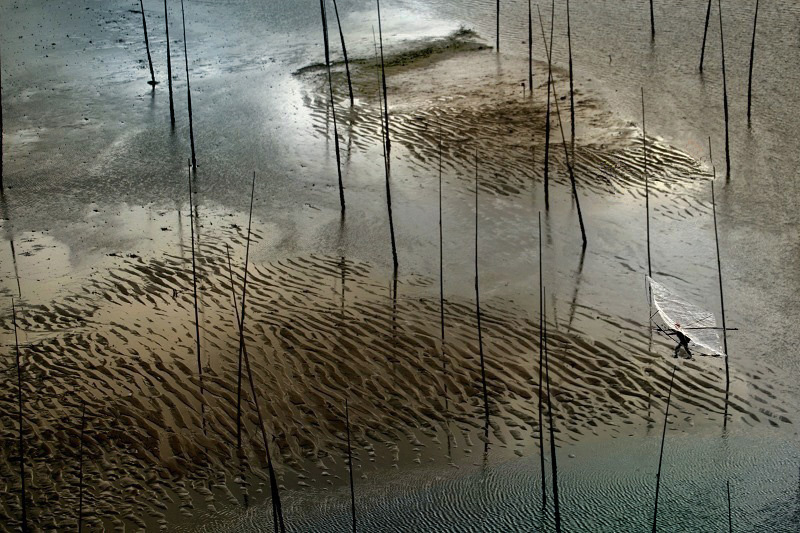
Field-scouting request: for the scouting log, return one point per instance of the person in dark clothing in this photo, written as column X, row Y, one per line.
column 683, row 341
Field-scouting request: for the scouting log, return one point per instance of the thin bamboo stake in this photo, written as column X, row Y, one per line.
column 188, row 88
column 571, row 172
column 725, row 96
column 478, row 311
column 553, row 463
column 344, row 53
column 169, row 67
column 441, row 294
column 380, row 101
column 441, row 266
column 194, row 284
column 661, row 453
column 391, row 217
column 530, row 51
column 541, row 368
column 333, row 102
column 278, row 524
column 19, row 419
column 652, row 22
column 571, row 87
column 547, row 114
column 566, row 154
column 387, row 170
column 646, row 188
column 80, row 468
column 752, row 54
column 730, row 518
column 350, row 466
column 710, row 156
column 14, row 260
column 383, row 81
column 721, row 296
column 277, row 510
column 2, row 131
column 497, row 31
column 152, row 81
column 241, row 324
column 705, row 33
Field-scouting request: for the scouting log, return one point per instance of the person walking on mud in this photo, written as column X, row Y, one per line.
column 683, row 341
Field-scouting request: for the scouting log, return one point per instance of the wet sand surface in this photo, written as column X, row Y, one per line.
column 97, row 255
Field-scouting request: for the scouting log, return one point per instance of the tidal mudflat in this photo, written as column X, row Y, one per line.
column 132, row 369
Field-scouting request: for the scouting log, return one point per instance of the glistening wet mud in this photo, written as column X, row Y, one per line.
column 319, row 330
column 97, row 254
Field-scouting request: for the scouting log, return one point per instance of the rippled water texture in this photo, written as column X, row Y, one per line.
column 96, row 252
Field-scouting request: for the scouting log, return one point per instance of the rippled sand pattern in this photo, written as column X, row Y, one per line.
column 505, row 127
column 160, row 441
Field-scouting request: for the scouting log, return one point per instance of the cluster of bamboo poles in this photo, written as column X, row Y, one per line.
column 653, row 36
column 725, row 78
column 716, row 239
column 153, row 82
column 543, row 334
column 239, row 309
column 716, row 234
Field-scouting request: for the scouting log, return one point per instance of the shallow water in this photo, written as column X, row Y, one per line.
column 600, row 491
column 97, row 252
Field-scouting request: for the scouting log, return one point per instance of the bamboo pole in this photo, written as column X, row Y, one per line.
column 725, row 96
column 2, row 131
column 541, row 368
column 571, row 173
column 277, row 509
column 350, row 467
column 752, row 54
column 571, row 86
column 194, row 284
column 152, row 81
column 344, row 53
column 383, row 81
column 661, row 453
column 19, row 419
column 80, row 467
column 566, row 152
column 333, row 102
column 547, row 114
column 441, row 264
column 478, row 312
column 553, row 463
column 241, row 324
column 387, row 170
column 646, row 188
column 497, row 30
column 710, row 156
column 169, row 67
column 652, row 22
column 721, row 296
column 441, row 291
column 278, row 523
column 188, row 88
column 705, row 33
column 380, row 101
column 530, row 51
column 730, row 518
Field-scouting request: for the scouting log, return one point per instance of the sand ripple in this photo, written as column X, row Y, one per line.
column 161, row 444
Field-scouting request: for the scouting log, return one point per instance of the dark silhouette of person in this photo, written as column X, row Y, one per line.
column 683, row 341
